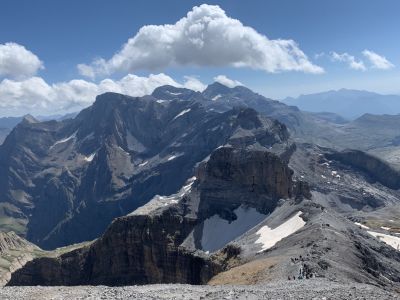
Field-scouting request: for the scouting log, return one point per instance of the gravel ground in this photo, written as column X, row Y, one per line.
column 310, row 289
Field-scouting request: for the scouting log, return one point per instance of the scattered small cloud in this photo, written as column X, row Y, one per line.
column 377, row 61
column 18, row 62
column 205, row 37
column 350, row 60
column 319, row 55
column 86, row 71
column 227, row 81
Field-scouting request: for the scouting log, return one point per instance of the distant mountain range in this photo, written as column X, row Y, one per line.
column 349, row 104
column 8, row 123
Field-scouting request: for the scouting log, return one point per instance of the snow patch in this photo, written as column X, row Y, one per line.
column 123, row 151
column 62, row 141
column 171, row 157
column 391, row 240
column 172, row 93
column 143, row 164
column 216, row 97
column 385, row 228
column 162, row 201
column 218, row 232
column 90, row 157
column 185, row 111
column 161, row 101
column 269, row 237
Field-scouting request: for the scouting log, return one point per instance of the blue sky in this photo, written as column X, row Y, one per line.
column 63, row 34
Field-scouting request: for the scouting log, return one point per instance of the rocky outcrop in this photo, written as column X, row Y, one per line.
column 232, row 177
column 10, row 240
column 375, row 169
column 15, row 252
column 138, row 249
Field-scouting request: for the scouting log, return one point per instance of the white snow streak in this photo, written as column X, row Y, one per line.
column 361, row 225
column 182, row 113
column 72, row 136
column 143, row 164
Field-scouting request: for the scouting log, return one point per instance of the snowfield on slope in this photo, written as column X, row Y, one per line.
column 391, row 240
column 269, row 237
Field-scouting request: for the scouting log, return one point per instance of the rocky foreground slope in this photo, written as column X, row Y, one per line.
column 311, row 289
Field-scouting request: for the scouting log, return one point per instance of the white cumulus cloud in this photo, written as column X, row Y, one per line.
column 205, row 37
column 18, row 62
column 35, row 96
column 193, row 83
column 349, row 59
column 377, row 61
column 227, row 81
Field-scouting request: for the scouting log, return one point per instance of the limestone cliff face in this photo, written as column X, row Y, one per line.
column 234, row 177
column 145, row 249
column 260, row 171
column 139, row 249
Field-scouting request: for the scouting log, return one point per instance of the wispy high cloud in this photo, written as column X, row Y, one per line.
column 350, row 60
column 205, row 37
column 377, row 61
column 18, row 62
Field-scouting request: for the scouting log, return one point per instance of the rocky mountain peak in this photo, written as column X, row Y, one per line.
column 248, row 118
column 29, row 119
column 216, row 89
column 169, row 92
